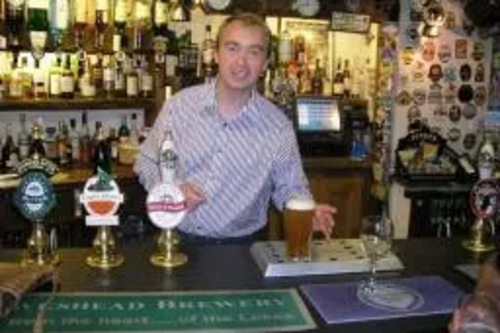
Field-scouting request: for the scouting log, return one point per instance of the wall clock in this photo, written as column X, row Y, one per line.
column 306, row 8
column 217, row 5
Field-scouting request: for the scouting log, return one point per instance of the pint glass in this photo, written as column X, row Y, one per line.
column 298, row 228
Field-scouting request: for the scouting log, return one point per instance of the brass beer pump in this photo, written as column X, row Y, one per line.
column 166, row 208
column 101, row 198
column 484, row 200
column 35, row 198
column 104, row 254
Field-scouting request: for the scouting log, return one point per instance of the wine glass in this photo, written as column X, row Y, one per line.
column 376, row 238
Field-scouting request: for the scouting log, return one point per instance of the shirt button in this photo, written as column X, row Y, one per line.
column 224, row 124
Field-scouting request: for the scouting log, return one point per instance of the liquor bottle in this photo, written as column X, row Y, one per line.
column 23, row 138
column 38, row 26
column 113, row 143
column 10, row 153
column 146, row 79
column 285, row 47
column 74, row 139
column 97, row 74
column 135, row 132
column 36, row 147
column 85, row 142
column 101, row 21
column 62, row 143
column 188, row 60
column 3, row 37
column 131, row 79
column 101, row 155
column 108, row 77
column 26, row 76
column 142, row 22
column 338, row 81
column 209, row 66
column 357, row 78
column 59, row 19
column 160, row 18
column 317, row 80
column 15, row 84
column 347, row 79
column 50, row 143
column 123, row 130
column 14, row 20
column 120, row 86
column 55, row 75
column 67, row 79
column 80, row 10
column 39, row 86
column 120, row 22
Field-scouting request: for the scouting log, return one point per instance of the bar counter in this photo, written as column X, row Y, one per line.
column 231, row 267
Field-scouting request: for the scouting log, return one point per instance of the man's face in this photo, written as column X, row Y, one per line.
column 241, row 55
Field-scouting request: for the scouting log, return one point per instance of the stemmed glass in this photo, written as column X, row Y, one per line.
column 376, row 238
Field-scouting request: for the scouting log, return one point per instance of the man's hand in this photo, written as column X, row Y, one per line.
column 323, row 219
column 194, row 195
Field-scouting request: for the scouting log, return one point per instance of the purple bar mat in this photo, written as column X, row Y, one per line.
column 405, row 297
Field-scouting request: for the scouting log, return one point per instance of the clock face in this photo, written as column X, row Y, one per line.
column 307, row 7
column 218, row 4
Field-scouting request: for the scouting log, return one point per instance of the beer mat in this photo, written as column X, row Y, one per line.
column 469, row 270
column 338, row 256
column 405, row 297
column 203, row 311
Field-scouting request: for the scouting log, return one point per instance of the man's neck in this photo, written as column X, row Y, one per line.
column 231, row 101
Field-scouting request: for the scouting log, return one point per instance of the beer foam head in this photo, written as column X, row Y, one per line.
column 301, row 203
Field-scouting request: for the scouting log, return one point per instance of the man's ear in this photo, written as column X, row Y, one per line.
column 264, row 67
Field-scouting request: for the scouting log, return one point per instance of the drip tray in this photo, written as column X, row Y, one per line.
column 339, row 256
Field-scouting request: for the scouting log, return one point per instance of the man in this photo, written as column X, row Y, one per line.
column 485, row 305
column 236, row 149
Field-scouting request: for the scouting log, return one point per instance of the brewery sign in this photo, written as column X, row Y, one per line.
column 34, row 196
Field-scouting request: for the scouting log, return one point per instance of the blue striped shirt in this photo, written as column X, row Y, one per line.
column 239, row 163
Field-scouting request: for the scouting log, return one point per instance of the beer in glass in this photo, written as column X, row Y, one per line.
column 298, row 228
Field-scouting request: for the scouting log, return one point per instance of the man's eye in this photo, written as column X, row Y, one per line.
column 231, row 47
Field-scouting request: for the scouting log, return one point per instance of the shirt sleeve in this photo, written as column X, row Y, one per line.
column 146, row 165
column 288, row 174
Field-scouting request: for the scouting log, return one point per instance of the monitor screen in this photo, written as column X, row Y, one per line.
column 318, row 114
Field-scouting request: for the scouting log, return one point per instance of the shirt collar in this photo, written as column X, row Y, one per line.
column 210, row 104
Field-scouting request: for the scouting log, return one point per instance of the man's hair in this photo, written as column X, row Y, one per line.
column 248, row 20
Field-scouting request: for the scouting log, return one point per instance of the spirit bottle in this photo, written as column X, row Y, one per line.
column 142, row 22
column 120, row 86
column 67, row 79
column 113, row 143
column 59, row 19
column 10, row 153
column 15, row 83
column 55, row 78
column 131, row 79
column 38, row 25
column 74, row 140
column 121, row 19
column 101, row 21
column 188, row 61
column 338, row 81
column 347, row 79
column 80, row 10
column 3, row 38
column 161, row 18
column 97, row 74
column 146, row 84
column 62, row 143
column 39, row 86
column 101, row 153
column 23, row 138
column 317, row 80
column 209, row 66
column 135, row 133
column 36, row 147
column 123, row 131
column 26, row 76
column 14, row 20
column 85, row 142
column 108, row 76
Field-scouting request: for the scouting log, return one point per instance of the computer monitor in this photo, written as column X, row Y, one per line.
column 318, row 115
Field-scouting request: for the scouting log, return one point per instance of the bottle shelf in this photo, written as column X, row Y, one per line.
column 77, row 103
